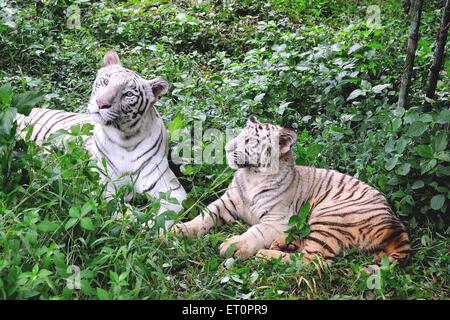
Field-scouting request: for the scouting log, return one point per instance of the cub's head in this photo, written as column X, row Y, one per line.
column 260, row 146
column 120, row 97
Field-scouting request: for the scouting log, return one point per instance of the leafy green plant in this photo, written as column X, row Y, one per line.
column 298, row 224
column 14, row 160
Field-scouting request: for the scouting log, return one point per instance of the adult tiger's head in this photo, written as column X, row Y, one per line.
column 260, row 146
column 120, row 97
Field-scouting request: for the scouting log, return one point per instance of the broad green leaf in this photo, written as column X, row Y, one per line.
column 437, row 202
column 427, row 165
column 444, row 170
column 304, row 212
column 403, row 169
column 70, row 223
column 114, row 276
column 401, row 145
column 24, row 102
column 375, row 45
column 7, row 118
column 253, row 277
column 212, row 264
column 418, row 184
column 314, row 150
column 111, row 207
column 294, row 220
column 86, row 223
column 102, row 294
column 5, row 94
column 176, row 124
column 417, row 128
column 259, row 97
column 282, row 108
column 86, row 129
column 75, row 130
column 366, row 85
column 123, row 276
column 279, row 47
column 87, row 207
column 355, row 94
column 399, row 112
column 379, row 88
column 390, row 163
column 440, row 141
column 74, row 212
column 355, row 48
column 44, row 273
column 47, row 226
column 444, row 156
column 426, row 117
column 304, row 231
column 216, row 78
column 389, row 147
column 424, row 151
column 396, row 124
column 443, row 116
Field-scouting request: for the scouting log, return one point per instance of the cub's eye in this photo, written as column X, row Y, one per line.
column 128, row 94
column 105, row 82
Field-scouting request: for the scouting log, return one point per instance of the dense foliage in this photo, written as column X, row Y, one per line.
column 324, row 68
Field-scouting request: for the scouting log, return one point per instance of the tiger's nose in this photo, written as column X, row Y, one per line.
column 102, row 103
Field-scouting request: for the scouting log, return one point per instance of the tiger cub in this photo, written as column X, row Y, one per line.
column 128, row 132
column 344, row 212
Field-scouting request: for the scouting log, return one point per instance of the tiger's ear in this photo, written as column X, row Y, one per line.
column 287, row 138
column 159, row 86
column 110, row 58
column 252, row 120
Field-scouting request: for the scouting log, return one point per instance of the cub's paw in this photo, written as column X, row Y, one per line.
column 235, row 246
column 281, row 244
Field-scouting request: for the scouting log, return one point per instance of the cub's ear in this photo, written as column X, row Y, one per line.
column 252, row 121
column 110, row 58
column 159, row 87
column 287, row 138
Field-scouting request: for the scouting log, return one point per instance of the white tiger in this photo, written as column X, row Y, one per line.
column 128, row 132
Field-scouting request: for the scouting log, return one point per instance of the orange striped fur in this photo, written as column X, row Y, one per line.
column 345, row 211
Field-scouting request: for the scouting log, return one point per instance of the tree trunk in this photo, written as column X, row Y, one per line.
column 439, row 53
column 410, row 53
column 406, row 6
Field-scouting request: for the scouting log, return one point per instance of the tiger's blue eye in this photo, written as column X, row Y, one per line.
column 105, row 82
column 128, row 94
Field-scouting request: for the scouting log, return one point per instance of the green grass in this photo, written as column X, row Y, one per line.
column 311, row 65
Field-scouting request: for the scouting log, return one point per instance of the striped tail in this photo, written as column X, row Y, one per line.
column 395, row 245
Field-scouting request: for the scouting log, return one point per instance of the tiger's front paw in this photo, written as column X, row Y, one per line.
column 187, row 230
column 235, row 246
column 281, row 244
